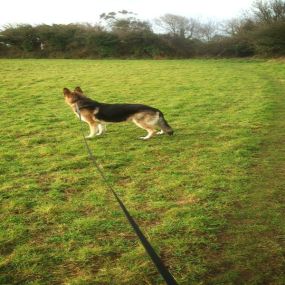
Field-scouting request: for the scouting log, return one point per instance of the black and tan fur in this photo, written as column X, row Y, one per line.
column 96, row 114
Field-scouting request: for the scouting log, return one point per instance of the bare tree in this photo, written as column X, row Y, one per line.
column 193, row 28
column 278, row 8
column 123, row 22
column 269, row 11
column 176, row 25
column 190, row 28
column 207, row 30
column 231, row 27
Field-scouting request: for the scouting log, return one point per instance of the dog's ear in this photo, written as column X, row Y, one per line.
column 78, row 89
column 66, row 91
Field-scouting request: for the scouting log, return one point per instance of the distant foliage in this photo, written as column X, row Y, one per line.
column 121, row 35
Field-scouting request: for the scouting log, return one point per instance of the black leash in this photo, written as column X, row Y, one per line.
column 169, row 279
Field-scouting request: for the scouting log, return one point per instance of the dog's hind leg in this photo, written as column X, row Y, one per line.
column 150, row 133
column 150, row 129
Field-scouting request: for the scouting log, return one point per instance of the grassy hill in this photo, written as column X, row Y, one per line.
column 210, row 198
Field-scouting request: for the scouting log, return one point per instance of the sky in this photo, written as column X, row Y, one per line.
column 82, row 11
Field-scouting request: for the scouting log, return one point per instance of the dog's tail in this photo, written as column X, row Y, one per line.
column 164, row 125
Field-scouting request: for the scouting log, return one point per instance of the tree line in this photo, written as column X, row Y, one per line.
column 259, row 32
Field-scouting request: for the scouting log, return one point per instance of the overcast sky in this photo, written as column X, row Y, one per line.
column 71, row 11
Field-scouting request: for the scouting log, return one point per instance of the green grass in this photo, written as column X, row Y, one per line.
column 210, row 199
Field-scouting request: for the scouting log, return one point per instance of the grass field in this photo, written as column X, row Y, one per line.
column 210, row 198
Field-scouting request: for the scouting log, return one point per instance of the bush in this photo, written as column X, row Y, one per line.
column 269, row 40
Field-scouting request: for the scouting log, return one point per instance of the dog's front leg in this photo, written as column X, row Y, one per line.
column 93, row 130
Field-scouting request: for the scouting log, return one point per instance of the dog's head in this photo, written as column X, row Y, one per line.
column 72, row 97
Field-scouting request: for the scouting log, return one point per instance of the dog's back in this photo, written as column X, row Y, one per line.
column 121, row 112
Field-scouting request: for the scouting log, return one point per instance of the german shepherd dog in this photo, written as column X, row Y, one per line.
column 96, row 114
